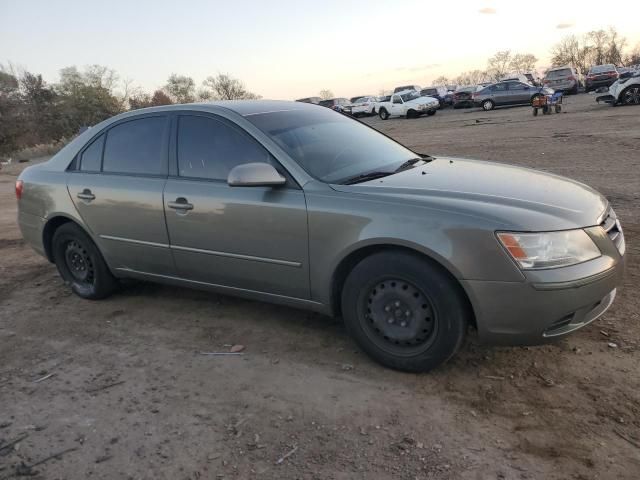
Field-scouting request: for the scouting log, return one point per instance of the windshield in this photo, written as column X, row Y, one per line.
column 329, row 146
column 410, row 96
column 563, row 72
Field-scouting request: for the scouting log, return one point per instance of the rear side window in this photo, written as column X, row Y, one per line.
column 209, row 148
column 136, row 147
column 91, row 158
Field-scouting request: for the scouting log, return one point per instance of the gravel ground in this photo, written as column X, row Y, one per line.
column 119, row 387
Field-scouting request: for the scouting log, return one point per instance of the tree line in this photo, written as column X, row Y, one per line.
column 33, row 112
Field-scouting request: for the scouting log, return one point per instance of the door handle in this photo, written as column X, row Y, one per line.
column 180, row 204
column 86, row 195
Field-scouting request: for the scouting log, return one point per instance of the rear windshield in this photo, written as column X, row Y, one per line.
column 603, row 68
column 563, row 72
column 329, row 146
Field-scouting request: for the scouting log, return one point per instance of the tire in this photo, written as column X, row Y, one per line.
column 411, row 114
column 373, row 111
column 574, row 90
column 80, row 263
column 431, row 113
column 384, row 115
column 488, row 105
column 533, row 97
column 558, row 109
column 428, row 311
column 630, row 95
column 535, row 112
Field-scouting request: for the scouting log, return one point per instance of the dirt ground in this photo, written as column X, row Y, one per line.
column 119, row 386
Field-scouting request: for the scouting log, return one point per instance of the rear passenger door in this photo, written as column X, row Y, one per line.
column 499, row 94
column 245, row 238
column 117, row 187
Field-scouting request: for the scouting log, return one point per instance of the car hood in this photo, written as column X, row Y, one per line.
column 421, row 100
column 505, row 195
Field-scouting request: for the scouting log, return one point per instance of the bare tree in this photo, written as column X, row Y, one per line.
column 325, row 94
column 633, row 57
column 523, row 62
column 474, row 77
column 498, row 65
column 225, row 87
column 593, row 48
column 441, row 80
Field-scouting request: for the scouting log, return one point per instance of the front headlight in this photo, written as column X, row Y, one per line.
column 549, row 249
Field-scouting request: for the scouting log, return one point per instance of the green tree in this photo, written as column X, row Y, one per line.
column 180, row 88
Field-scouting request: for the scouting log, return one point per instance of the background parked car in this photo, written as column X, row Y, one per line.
column 315, row 100
column 601, row 76
column 364, row 106
column 463, row 96
column 439, row 93
column 408, row 104
column 337, row 104
column 565, row 78
column 507, row 93
column 407, row 87
column 625, row 91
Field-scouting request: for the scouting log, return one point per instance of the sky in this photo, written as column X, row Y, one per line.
column 287, row 49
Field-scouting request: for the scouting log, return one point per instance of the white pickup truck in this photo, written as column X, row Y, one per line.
column 407, row 104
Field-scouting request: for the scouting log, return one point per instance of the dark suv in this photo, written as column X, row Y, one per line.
column 601, row 76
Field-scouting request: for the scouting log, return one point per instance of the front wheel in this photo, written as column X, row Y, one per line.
column 488, row 105
column 80, row 263
column 384, row 115
column 631, row 96
column 404, row 311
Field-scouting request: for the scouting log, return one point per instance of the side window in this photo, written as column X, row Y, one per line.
column 136, row 147
column 516, row 86
column 499, row 87
column 209, row 148
column 91, row 158
column 397, row 99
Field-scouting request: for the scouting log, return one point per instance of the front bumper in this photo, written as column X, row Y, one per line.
column 549, row 303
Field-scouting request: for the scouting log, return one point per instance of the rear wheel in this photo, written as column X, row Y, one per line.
column 404, row 311
column 80, row 263
column 384, row 114
column 431, row 113
column 488, row 105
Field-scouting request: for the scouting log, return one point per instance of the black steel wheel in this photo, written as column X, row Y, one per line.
column 80, row 263
column 404, row 310
column 398, row 316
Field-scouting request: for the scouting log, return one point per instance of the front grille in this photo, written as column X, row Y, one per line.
column 611, row 225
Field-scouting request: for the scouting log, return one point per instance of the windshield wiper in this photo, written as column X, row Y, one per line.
column 408, row 164
column 365, row 177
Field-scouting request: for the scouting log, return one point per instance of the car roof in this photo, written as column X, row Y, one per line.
column 402, row 92
column 241, row 107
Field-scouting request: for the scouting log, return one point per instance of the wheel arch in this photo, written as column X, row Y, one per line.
column 350, row 260
column 53, row 223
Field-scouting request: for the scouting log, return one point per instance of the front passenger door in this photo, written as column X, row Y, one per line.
column 250, row 238
column 397, row 106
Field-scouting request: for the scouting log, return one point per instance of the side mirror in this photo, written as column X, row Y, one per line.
column 255, row 175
